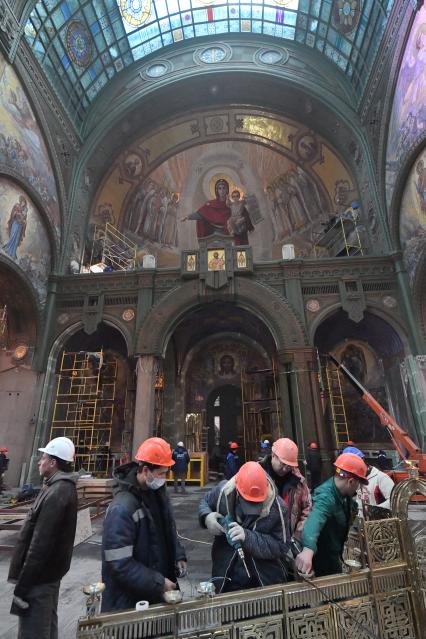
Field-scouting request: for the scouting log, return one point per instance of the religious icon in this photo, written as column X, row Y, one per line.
column 241, row 259
column 227, row 366
column 191, row 262
column 16, row 227
column 216, row 260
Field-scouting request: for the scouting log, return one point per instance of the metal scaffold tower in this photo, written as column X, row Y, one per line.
column 260, row 408
column 84, row 407
column 111, row 250
column 341, row 236
column 334, row 393
column 3, row 325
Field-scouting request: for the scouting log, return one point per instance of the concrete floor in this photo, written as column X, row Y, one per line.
column 86, row 566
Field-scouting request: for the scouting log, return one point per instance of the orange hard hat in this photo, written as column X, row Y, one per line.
column 233, row 445
column 313, row 445
column 353, row 465
column 155, row 451
column 286, row 451
column 349, row 443
column 251, row 482
column 3, row 449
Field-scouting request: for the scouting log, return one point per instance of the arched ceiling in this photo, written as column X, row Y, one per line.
column 82, row 45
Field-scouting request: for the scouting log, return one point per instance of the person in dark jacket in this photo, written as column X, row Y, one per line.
column 334, row 509
column 43, row 551
column 259, row 523
column 232, row 462
column 314, row 464
column 180, row 469
column 141, row 554
column 4, row 465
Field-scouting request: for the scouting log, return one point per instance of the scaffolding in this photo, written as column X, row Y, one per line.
column 84, row 407
column 196, row 431
column 260, row 408
column 158, row 403
column 342, row 236
column 334, row 392
column 3, row 325
column 111, row 250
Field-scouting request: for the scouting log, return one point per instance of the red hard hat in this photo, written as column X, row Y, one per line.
column 155, row 451
column 233, row 445
column 3, row 449
column 353, row 465
column 251, row 482
column 349, row 443
column 313, row 445
column 286, row 451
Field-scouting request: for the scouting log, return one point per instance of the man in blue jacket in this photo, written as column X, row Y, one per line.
column 141, row 554
column 180, row 469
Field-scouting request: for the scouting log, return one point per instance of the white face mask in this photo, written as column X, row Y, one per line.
column 156, row 483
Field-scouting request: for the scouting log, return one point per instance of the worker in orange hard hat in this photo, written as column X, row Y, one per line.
column 250, row 527
column 334, row 509
column 313, row 464
column 141, row 553
column 283, row 467
column 232, row 461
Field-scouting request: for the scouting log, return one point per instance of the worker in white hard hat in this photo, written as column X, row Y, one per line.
column 43, row 551
column 180, row 470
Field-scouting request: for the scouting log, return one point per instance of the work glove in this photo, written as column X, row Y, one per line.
column 20, row 603
column 236, row 532
column 181, row 568
column 213, row 525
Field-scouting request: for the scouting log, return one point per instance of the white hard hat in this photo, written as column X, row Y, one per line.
column 266, row 441
column 61, row 447
column 180, row 444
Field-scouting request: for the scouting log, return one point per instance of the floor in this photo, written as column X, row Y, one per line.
column 86, row 566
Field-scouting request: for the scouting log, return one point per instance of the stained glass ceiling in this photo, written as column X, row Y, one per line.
column 83, row 44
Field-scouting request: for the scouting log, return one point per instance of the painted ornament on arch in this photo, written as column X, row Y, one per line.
column 346, row 14
column 79, row 43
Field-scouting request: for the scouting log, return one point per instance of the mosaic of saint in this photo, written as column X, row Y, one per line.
column 408, row 120
column 256, row 195
column 412, row 226
column 23, row 237
column 21, row 144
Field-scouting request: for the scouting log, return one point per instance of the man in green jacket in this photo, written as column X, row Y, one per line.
column 334, row 509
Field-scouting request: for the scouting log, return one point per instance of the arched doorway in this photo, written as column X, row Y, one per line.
column 224, row 420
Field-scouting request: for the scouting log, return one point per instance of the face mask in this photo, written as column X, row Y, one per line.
column 156, row 483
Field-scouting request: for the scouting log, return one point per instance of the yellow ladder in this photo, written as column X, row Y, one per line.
column 337, row 404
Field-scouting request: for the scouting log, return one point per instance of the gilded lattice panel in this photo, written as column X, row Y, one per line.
column 356, row 621
column 271, row 629
column 383, row 541
column 223, row 633
column 396, row 617
column 315, row 624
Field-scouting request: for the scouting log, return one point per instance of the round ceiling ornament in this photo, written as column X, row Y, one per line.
column 135, row 12
column 313, row 305
column 389, row 301
column 128, row 314
column 79, row 43
column 63, row 318
column 346, row 15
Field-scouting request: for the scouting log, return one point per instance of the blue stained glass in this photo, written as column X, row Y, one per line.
column 66, row 10
column 313, row 24
column 290, row 18
column 315, row 7
column 234, row 10
column 269, row 14
column 164, row 25
column 135, row 39
column 65, row 61
column 211, row 28
column 168, row 38
column 245, row 12
column 304, row 5
column 222, row 27
column 234, row 26
column 325, row 10
column 199, row 15
column 188, row 32
column 256, row 26
column 200, row 29
column 220, row 13
column 95, row 28
column 289, row 33
column 175, row 21
column 256, row 12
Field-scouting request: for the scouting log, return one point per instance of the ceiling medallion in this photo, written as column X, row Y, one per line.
column 156, row 70
column 313, row 305
column 389, row 301
column 346, row 14
column 135, row 12
column 128, row 314
column 79, row 43
column 63, row 318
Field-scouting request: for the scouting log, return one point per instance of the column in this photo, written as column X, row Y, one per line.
column 145, row 400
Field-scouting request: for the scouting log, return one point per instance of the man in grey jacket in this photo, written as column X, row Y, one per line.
column 43, row 552
column 257, row 520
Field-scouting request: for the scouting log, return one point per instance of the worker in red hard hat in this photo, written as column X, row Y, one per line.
column 334, row 509
column 232, row 461
column 313, row 464
column 141, row 553
column 256, row 520
column 282, row 466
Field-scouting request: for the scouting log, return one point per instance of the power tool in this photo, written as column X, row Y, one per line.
column 225, row 522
